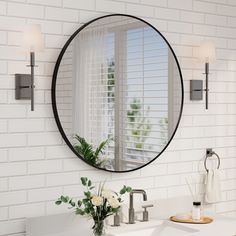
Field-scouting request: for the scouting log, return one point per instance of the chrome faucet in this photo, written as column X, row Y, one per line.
column 131, row 203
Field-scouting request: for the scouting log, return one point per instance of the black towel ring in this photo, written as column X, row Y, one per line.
column 210, row 153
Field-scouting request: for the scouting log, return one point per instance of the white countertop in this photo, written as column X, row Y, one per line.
column 69, row 224
column 44, row 226
column 221, row 226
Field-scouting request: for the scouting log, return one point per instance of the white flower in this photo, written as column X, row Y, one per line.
column 113, row 202
column 106, row 193
column 97, row 200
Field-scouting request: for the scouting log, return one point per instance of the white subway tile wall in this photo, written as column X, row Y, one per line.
column 35, row 164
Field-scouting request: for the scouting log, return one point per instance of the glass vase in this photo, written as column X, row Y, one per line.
column 98, row 228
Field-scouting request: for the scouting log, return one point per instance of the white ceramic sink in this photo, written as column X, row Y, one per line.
column 161, row 228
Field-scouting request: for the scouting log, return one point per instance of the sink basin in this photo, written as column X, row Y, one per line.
column 161, row 228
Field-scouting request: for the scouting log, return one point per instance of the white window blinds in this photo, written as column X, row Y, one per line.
column 144, row 104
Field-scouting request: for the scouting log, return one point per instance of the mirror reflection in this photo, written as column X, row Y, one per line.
column 118, row 93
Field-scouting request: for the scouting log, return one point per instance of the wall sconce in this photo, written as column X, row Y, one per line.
column 206, row 54
column 32, row 41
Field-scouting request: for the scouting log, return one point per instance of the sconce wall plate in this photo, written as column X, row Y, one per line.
column 25, row 83
column 23, row 86
column 196, row 90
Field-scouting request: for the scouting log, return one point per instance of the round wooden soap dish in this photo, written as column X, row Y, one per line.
column 204, row 220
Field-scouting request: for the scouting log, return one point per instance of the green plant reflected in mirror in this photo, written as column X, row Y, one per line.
column 91, row 155
column 117, row 93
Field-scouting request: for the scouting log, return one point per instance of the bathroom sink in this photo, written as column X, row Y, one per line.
column 161, row 228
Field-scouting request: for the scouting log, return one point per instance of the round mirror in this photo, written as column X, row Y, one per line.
column 117, row 93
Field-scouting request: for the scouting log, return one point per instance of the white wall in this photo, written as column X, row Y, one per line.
column 35, row 165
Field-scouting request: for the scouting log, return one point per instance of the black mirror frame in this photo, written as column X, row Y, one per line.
column 53, row 91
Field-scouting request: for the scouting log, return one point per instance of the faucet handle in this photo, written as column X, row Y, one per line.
column 146, row 206
column 145, row 212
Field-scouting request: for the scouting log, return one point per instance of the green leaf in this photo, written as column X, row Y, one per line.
column 87, row 210
column 84, row 149
column 123, row 190
column 85, row 200
column 64, row 199
column 89, row 183
column 72, row 203
column 58, row 202
column 128, row 189
column 79, row 211
column 87, row 194
column 79, row 203
column 83, row 180
column 115, row 210
column 100, row 148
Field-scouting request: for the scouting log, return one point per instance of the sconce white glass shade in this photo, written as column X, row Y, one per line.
column 32, row 38
column 207, row 52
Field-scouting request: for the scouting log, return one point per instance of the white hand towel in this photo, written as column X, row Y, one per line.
column 212, row 186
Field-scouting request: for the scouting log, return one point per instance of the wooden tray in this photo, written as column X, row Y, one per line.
column 204, row 220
